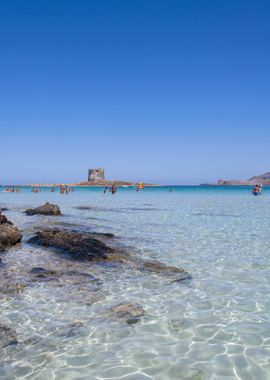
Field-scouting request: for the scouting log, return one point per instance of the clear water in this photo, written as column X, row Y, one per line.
column 214, row 326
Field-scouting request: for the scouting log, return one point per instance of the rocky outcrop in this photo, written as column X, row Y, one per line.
column 92, row 246
column 81, row 245
column 46, row 209
column 4, row 219
column 263, row 179
column 9, row 234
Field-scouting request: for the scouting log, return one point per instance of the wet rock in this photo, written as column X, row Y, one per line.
column 170, row 272
column 4, row 219
column 7, row 335
column 9, row 234
column 92, row 246
column 80, row 245
column 3, row 209
column 129, row 312
column 46, row 209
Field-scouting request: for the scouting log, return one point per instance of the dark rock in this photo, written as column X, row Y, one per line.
column 4, row 219
column 175, row 274
column 93, row 246
column 9, row 235
column 81, row 245
column 126, row 311
column 4, row 209
column 7, row 335
column 46, row 209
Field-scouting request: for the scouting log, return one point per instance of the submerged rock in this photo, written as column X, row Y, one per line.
column 69, row 330
column 39, row 273
column 129, row 312
column 103, row 235
column 173, row 273
column 81, row 245
column 9, row 234
column 64, row 276
column 93, row 246
column 10, row 286
column 84, row 208
column 7, row 335
column 46, row 209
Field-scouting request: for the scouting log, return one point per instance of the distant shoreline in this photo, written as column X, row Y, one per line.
column 84, row 184
column 203, row 185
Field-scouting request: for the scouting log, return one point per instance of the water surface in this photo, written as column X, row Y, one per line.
column 214, row 326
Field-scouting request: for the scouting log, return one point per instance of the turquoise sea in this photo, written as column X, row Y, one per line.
column 215, row 325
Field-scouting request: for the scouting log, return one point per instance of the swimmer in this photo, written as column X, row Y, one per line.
column 114, row 189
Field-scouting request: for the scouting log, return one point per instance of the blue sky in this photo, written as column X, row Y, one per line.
column 171, row 91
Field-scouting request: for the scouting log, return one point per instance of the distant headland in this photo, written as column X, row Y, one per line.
column 263, row 179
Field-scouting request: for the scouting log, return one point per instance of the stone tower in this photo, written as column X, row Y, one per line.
column 96, row 175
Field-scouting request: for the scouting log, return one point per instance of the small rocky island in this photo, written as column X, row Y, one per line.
column 96, row 178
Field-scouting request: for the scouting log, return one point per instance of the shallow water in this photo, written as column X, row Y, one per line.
column 214, row 326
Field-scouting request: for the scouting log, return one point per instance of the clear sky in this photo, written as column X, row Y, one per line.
column 166, row 91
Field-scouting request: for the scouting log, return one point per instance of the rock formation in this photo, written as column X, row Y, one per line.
column 264, row 179
column 93, row 246
column 81, row 245
column 46, row 209
column 9, row 234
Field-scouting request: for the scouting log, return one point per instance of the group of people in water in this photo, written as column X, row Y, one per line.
column 113, row 189
column 64, row 189
column 13, row 189
column 257, row 189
